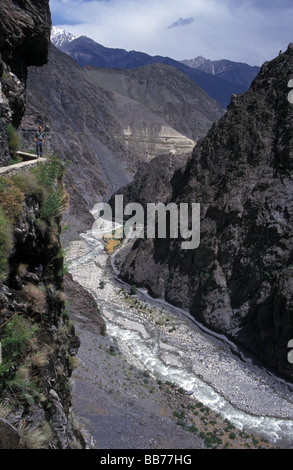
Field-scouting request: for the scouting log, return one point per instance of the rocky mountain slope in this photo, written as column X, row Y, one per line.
column 239, row 280
column 87, row 52
column 237, row 72
column 107, row 122
column 38, row 342
column 163, row 90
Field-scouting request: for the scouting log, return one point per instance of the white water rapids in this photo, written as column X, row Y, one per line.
column 173, row 350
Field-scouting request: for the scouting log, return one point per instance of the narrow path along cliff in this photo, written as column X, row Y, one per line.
column 30, row 162
column 165, row 349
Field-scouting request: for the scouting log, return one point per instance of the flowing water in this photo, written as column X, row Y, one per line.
column 171, row 348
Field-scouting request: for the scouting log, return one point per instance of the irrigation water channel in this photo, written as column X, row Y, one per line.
column 192, row 357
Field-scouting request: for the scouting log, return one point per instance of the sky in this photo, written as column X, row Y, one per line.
column 250, row 31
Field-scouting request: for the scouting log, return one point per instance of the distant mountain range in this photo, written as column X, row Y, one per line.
column 220, row 79
column 236, row 72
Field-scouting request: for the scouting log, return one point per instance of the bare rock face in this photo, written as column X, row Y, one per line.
column 25, row 33
column 9, row 437
column 34, row 293
column 24, row 40
column 239, row 281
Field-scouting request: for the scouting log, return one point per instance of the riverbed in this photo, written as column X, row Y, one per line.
column 163, row 343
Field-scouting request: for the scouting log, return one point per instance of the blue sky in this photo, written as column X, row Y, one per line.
column 250, row 31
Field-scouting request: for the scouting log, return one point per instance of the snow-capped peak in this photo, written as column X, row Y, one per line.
column 60, row 36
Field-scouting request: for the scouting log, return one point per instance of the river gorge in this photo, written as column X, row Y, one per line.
column 165, row 343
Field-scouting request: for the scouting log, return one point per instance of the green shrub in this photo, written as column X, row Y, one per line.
column 49, row 178
column 133, row 289
column 5, row 409
column 16, row 341
column 35, row 438
column 11, row 198
column 179, row 415
column 54, row 205
column 24, row 385
column 192, row 428
column 26, row 181
column 5, row 243
column 13, row 139
column 36, row 295
column 48, row 173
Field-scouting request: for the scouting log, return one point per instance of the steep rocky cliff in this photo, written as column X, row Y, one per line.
column 38, row 342
column 24, row 39
column 239, row 280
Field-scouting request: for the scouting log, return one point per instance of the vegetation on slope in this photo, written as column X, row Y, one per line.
column 37, row 338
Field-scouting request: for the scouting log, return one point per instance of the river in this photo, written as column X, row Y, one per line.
column 164, row 341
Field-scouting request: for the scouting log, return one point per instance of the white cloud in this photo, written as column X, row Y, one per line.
column 244, row 30
column 181, row 22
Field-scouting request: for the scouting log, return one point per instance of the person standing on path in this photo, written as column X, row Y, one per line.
column 40, row 139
